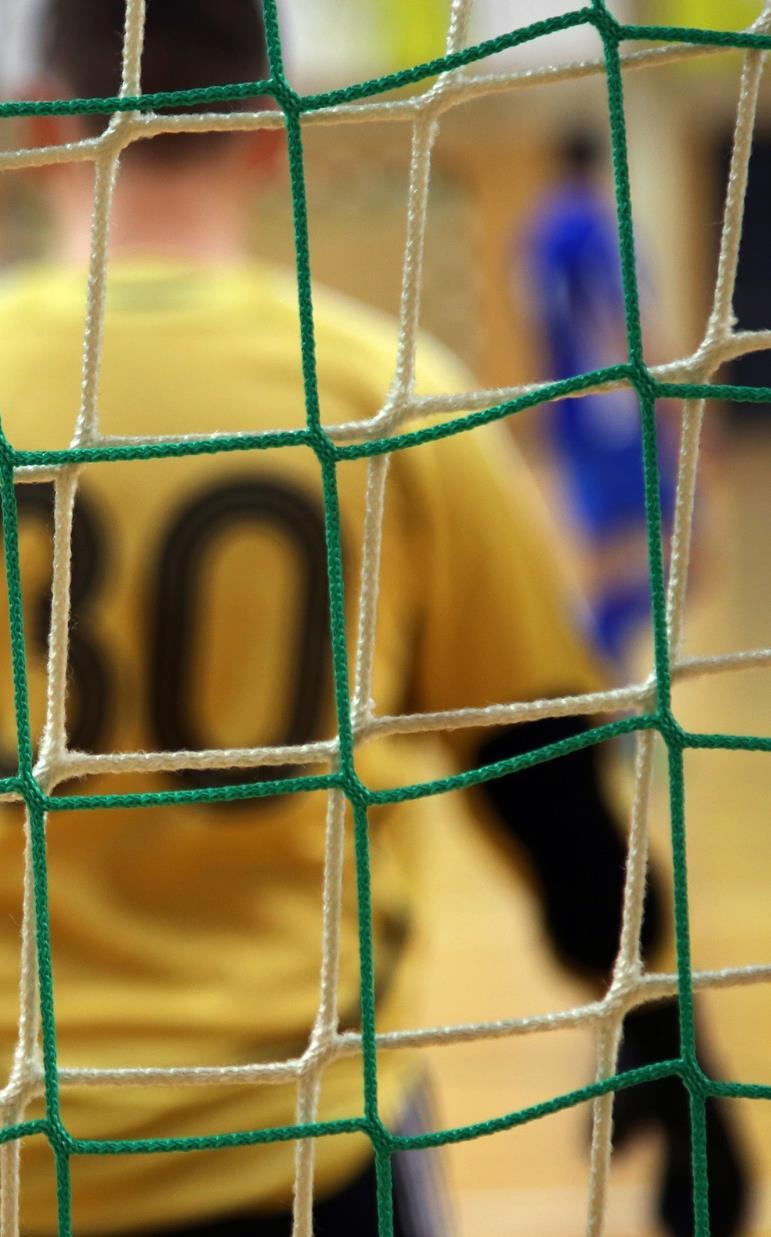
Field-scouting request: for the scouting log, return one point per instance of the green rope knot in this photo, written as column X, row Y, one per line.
column 604, row 22
column 326, row 451
column 643, row 381
column 31, row 792
column 59, row 1136
column 670, row 730
column 358, row 795
column 287, row 98
column 381, row 1138
column 694, row 1078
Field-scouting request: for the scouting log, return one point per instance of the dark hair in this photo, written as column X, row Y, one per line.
column 188, row 44
column 580, row 152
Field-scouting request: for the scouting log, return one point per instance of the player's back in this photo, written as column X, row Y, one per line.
column 190, row 935
column 183, row 547
column 199, row 621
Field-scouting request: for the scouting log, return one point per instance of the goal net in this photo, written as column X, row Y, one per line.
column 645, row 708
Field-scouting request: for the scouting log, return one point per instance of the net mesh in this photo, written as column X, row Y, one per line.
column 442, row 84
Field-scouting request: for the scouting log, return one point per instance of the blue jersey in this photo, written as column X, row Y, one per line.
column 576, row 277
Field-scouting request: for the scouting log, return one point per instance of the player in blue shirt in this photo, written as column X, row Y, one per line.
column 579, row 302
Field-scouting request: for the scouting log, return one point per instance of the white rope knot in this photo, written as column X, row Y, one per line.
column 24, row 1084
column 624, row 989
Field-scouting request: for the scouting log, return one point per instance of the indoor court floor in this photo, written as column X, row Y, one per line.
column 489, row 962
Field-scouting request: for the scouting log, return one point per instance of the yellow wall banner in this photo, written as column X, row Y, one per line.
column 417, row 29
column 704, row 14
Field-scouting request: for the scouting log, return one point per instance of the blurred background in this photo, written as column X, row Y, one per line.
column 500, row 254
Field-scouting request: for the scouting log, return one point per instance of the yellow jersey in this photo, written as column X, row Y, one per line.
column 190, row 935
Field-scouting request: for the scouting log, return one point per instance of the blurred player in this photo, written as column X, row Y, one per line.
column 191, row 935
column 578, row 302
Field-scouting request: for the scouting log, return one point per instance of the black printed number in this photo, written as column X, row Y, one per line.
column 174, row 613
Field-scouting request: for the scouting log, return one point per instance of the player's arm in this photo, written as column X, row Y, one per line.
column 560, row 816
column 498, row 624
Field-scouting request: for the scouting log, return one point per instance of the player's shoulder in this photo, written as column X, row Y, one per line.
column 364, row 339
column 357, row 348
